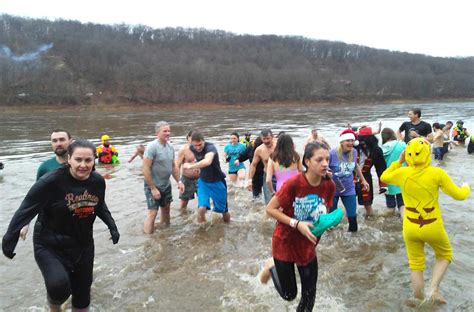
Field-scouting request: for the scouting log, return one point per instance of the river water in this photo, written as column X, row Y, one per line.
column 188, row 267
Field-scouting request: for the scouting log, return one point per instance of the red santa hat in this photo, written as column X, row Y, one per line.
column 364, row 131
column 348, row 134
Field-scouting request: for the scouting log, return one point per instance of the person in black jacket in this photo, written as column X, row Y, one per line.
column 369, row 155
column 67, row 201
column 257, row 179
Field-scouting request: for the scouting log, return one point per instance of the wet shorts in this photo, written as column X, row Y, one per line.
column 165, row 199
column 393, row 201
column 190, row 186
column 217, row 191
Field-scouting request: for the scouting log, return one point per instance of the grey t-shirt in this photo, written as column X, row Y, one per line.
column 162, row 165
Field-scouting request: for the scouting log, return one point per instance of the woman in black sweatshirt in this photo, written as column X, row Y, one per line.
column 66, row 201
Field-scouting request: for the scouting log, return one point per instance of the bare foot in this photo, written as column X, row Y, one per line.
column 226, row 217
column 265, row 274
column 437, row 297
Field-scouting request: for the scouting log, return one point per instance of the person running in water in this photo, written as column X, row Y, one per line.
column 158, row 166
column 300, row 201
column 211, row 182
column 392, row 148
column 67, row 202
column 257, row 179
column 188, row 176
column 60, row 140
column 232, row 152
column 283, row 163
column 343, row 164
column 423, row 223
column 262, row 154
column 369, row 155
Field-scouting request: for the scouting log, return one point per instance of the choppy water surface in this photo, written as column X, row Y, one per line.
column 213, row 268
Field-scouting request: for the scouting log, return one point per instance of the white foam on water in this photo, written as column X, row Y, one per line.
column 149, row 300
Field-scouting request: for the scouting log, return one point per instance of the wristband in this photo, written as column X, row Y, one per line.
column 293, row 222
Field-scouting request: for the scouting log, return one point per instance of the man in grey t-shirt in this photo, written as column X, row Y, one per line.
column 158, row 166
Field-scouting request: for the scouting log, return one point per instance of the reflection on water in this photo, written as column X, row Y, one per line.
column 188, row 267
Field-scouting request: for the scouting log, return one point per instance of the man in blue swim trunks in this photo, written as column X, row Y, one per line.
column 211, row 182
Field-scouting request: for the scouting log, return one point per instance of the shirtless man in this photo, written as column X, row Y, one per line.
column 262, row 153
column 315, row 136
column 188, row 176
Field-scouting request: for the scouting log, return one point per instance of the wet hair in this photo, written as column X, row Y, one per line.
column 266, row 132
column 368, row 144
column 190, row 133
column 285, row 153
column 387, row 135
column 258, row 141
column 62, row 130
column 80, row 143
column 309, row 150
column 416, row 111
column 160, row 124
column 449, row 122
column 236, row 134
column 436, row 125
column 197, row 136
column 280, row 133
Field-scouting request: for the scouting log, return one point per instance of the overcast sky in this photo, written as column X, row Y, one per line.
column 438, row 28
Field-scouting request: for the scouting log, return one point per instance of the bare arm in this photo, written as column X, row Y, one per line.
column 205, row 162
column 179, row 160
column 147, row 163
column 268, row 179
column 400, row 136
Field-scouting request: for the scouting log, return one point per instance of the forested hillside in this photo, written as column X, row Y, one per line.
column 66, row 62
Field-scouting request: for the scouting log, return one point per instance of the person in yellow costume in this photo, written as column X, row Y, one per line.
column 422, row 223
column 106, row 152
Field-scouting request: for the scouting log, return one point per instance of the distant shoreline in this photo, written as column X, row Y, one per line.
column 103, row 107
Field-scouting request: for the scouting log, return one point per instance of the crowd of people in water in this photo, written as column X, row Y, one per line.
column 302, row 193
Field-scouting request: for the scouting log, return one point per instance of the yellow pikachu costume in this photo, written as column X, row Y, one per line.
column 422, row 221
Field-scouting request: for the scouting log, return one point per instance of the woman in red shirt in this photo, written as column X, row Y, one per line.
column 301, row 200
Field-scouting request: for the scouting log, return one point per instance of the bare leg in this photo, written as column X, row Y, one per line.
column 202, row 214
column 226, row 216
column 402, row 211
column 54, row 308
column 265, row 274
column 418, row 284
column 149, row 224
column 368, row 210
column 233, row 177
column 439, row 269
column 184, row 206
column 165, row 215
column 241, row 176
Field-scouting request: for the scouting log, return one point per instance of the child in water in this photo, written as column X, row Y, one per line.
column 301, row 201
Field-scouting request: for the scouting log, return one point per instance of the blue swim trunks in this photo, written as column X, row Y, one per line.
column 217, row 191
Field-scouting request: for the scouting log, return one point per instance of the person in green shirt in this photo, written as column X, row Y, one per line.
column 60, row 140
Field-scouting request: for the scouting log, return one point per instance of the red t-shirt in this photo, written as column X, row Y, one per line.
column 299, row 200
